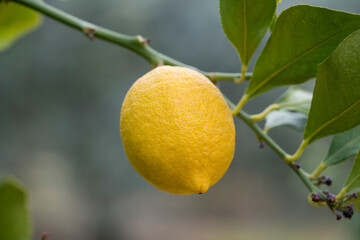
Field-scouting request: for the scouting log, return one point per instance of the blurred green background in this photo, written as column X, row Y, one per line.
column 60, row 100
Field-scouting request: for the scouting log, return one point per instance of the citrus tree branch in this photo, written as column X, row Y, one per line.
column 304, row 176
column 137, row 44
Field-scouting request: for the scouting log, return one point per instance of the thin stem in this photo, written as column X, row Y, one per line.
column 341, row 193
column 274, row 146
column 243, row 74
column 240, row 104
column 322, row 166
column 136, row 44
column 263, row 114
column 298, row 153
column 304, row 176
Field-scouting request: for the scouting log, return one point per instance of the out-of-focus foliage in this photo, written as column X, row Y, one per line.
column 15, row 22
column 14, row 215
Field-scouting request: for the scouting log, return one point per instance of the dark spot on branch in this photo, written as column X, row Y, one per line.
column 298, row 166
column 89, row 32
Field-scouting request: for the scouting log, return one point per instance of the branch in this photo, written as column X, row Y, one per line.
column 137, row 44
column 274, row 146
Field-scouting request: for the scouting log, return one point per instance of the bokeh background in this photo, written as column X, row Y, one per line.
column 60, row 100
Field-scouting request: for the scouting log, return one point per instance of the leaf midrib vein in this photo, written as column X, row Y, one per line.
column 245, row 32
column 352, row 182
column 292, row 62
column 332, row 120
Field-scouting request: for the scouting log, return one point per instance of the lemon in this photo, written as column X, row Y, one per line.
column 177, row 130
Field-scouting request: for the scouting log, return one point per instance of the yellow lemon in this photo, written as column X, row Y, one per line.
column 177, row 130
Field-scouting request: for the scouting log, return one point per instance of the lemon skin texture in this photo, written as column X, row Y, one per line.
column 177, row 130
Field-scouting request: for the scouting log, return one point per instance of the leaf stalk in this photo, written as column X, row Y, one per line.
column 263, row 114
column 321, row 168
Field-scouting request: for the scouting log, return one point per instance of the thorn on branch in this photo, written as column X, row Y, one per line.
column 89, row 32
column 143, row 41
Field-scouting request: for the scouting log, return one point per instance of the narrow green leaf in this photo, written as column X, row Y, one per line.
column 343, row 146
column 296, row 100
column 245, row 23
column 14, row 217
column 336, row 103
column 303, row 37
column 15, row 22
column 294, row 120
column 353, row 180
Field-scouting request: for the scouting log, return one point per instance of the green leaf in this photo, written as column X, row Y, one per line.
column 281, row 118
column 245, row 23
column 273, row 21
column 303, row 37
column 14, row 217
column 15, row 22
column 336, row 103
column 353, row 180
column 343, row 146
column 296, row 100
